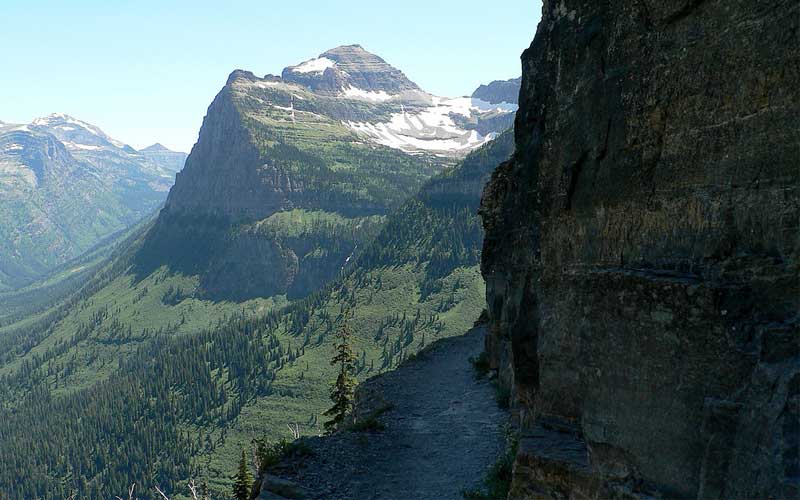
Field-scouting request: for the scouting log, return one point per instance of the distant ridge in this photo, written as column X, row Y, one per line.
column 65, row 185
column 158, row 148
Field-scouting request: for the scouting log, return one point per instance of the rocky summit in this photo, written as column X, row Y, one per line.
column 408, row 118
column 349, row 68
column 641, row 252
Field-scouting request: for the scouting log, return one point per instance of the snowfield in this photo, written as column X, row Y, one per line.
column 432, row 128
column 318, row 65
column 357, row 93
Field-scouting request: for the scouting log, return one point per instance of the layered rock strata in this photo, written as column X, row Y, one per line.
column 641, row 252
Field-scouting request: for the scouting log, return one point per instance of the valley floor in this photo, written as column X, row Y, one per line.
column 442, row 432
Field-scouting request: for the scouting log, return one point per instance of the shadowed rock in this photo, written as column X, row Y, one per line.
column 641, row 251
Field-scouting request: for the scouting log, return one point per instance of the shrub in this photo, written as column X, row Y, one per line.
column 268, row 454
column 497, row 483
column 481, row 364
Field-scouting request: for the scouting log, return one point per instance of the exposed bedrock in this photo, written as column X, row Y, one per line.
column 641, row 251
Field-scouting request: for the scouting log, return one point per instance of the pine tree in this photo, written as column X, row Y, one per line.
column 243, row 480
column 343, row 390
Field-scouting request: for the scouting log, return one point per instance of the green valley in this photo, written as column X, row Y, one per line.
column 212, row 324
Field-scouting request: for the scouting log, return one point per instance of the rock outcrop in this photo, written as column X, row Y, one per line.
column 499, row 91
column 641, row 252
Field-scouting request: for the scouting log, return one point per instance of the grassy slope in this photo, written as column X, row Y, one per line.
column 35, row 299
column 303, row 132
column 162, row 300
column 301, row 388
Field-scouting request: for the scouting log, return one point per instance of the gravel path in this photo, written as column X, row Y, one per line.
column 443, row 432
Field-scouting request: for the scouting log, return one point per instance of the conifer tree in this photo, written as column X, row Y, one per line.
column 243, row 480
column 343, row 390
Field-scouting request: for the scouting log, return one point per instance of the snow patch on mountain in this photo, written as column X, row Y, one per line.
column 63, row 123
column 411, row 140
column 318, row 65
column 58, row 120
column 85, row 147
column 357, row 93
column 433, row 128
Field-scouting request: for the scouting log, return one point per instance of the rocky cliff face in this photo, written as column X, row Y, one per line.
column 641, row 251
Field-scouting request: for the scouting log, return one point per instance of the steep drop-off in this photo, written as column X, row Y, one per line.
column 641, row 251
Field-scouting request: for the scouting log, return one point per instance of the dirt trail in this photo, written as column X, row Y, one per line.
column 442, row 434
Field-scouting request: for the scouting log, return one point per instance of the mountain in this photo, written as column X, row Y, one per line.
column 135, row 174
column 171, row 161
column 284, row 212
column 55, row 202
column 250, row 370
column 642, row 253
column 65, row 186
column 334, row 145
column 499, row 91
column 403, row 116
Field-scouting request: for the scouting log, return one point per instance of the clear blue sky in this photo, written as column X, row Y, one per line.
column 146, row 71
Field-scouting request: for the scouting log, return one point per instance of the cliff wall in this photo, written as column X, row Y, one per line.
column 641, row 251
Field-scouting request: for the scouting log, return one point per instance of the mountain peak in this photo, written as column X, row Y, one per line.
column 345, row 51
column 349, row 67
column 157, row 147
column 75, row 133
column 54, row 118
column 64, row 121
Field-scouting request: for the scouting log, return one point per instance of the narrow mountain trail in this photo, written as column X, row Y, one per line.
column 442, row 433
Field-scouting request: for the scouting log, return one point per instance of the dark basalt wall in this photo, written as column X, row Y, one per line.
column 641, row 251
